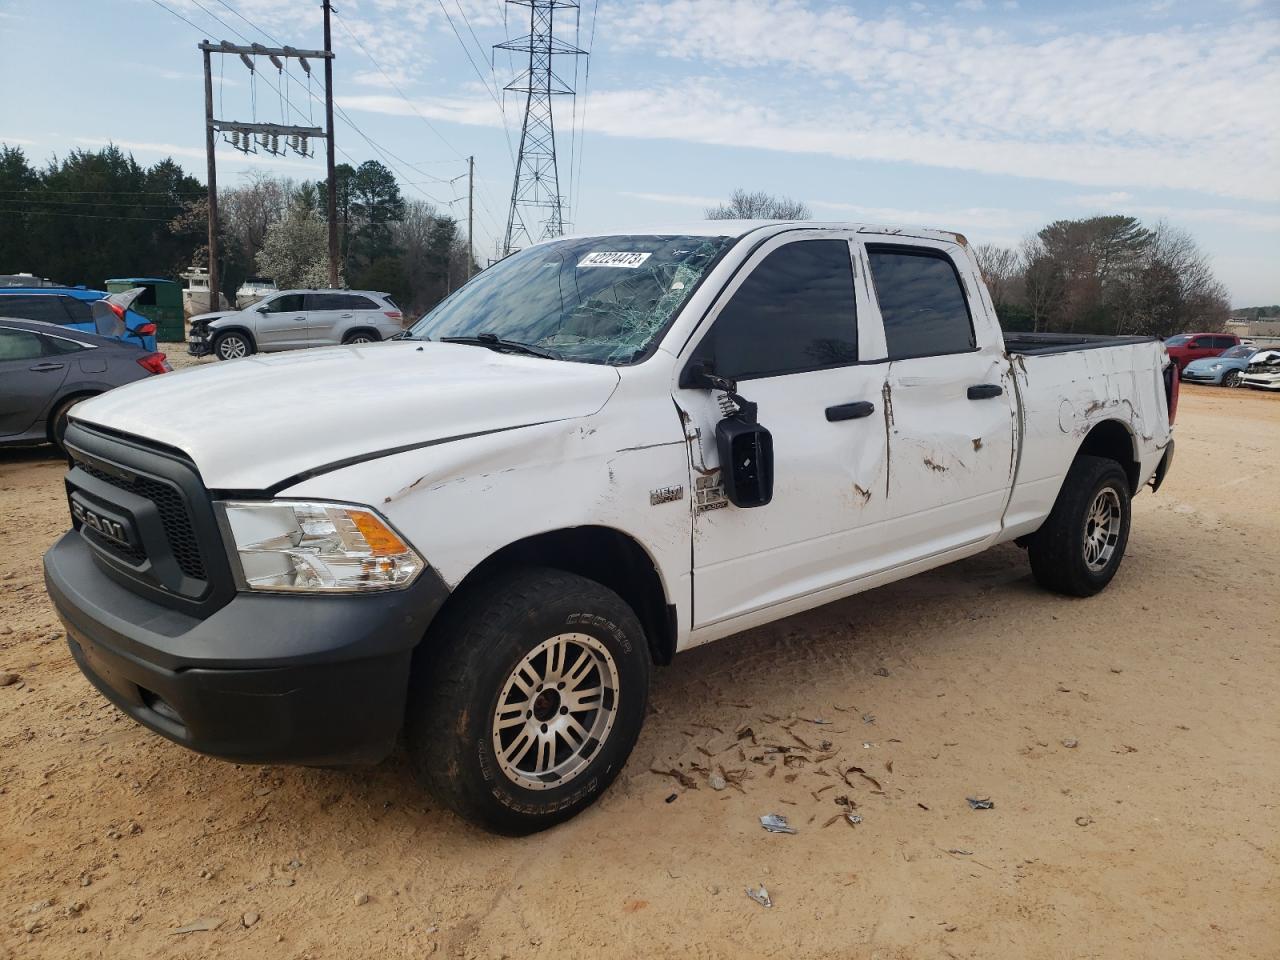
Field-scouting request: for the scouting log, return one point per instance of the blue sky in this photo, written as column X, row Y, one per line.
column 987, row 116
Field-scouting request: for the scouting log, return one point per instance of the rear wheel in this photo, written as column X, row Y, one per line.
column 528, row 699
column 58, row 420
column 1081, row 544
column 1231, row 378
column 361, row 336
column 232, row 346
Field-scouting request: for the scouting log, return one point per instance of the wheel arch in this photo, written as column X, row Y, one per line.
column 372, row 331
column 603, row 554
column 76, row 393
column 235, row 328
column 1114, row 440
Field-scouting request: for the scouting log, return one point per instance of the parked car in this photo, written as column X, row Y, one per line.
column 45, row 370
column 88, row 311
column 1263, row 372
column 1186, row 347
column 292, row 319
column 1224, row 370
column 487, row 533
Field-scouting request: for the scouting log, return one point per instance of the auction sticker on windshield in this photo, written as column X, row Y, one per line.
column 605, row 258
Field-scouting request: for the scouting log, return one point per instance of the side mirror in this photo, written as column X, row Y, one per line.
column 746, row 461
column 744, row 446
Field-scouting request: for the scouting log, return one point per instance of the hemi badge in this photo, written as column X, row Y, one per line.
column 666, row 495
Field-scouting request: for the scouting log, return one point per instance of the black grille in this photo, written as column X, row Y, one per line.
column 173, row 515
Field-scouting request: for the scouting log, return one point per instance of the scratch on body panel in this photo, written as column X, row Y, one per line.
column 862, row 492
column 886, row 395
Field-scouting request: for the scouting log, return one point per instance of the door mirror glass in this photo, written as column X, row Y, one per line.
column 746, row 461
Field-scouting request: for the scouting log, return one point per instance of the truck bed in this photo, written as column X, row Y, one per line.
column 1032, row 344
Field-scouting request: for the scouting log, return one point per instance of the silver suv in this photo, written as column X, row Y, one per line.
column 292, row 319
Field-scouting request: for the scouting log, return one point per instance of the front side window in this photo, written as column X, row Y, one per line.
column 588, row 299
column 922, row 302
column 795, row 312
column 289, row 303
column 1181, row 340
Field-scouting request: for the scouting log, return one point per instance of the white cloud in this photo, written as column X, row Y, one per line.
column 973, row 5
column 17, row 141
column 1175, row 107
column 1101, row 199
column 675, row 199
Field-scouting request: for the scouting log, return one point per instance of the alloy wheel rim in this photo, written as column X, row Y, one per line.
column 1102, row 529
column 556, row 709
column 232, row 348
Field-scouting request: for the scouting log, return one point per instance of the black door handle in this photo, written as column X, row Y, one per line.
column 850, row 411
column 45, row 367
column 985, row 391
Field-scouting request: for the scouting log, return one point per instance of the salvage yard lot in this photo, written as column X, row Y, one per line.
column 1157, row 834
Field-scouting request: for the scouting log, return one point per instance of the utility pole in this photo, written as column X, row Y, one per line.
column 212, row 176
column 268, row 134
column 537, row 180
column 331, row 186
column 471, row 213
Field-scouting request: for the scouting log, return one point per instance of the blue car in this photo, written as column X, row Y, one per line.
column 89, row 311
column 1224, row 370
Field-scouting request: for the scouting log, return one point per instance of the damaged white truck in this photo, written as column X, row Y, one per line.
column 600, row 452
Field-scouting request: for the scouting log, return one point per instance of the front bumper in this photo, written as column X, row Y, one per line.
column 1199, row 376
column 1261, row 382
column 198, row 346
column 264, row 679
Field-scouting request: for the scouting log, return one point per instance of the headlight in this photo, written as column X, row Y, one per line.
column 307, row 546
column 1216, row 366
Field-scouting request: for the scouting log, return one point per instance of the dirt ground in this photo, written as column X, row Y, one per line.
column 1130, row 744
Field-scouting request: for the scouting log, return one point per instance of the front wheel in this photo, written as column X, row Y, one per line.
column 232, row 346
column 528, row 699
column 1080, row 546
column 1231, row 378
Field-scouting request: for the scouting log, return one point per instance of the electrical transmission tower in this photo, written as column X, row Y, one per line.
column 536, row 203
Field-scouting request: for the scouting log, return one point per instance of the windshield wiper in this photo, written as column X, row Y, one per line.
column 495, row 342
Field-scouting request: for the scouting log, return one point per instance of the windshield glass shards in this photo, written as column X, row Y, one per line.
column 592, row 299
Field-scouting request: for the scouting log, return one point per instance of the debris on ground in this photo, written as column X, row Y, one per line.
column 1083, row 821
column 672, row 798
column 776, row 823
column 249, row 919
column 760, row 896
column 819, row 720
column 980, row 803
column 361, row 899
column 1071, row 743
column 868, row 718
column 203, row 925
column 8, row 679
column 959, row 852
column 882, row 671
column 680, row 777
column 717, row 782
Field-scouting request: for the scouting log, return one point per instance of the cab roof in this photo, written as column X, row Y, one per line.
column 740, row 228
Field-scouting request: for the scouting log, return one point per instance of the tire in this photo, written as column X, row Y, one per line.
column 232, row 346
column 361, row 336
column 58, row 420
column 1073, row 553
column 467, row 669
column 1231, row 378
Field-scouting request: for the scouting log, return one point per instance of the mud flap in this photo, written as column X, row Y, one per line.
column 1165, row 462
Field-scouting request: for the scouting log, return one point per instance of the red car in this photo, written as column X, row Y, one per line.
column 1186, row 347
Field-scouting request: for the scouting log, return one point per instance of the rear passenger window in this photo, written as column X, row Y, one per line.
column 80, row 310
column 46, row 308
column 921, row 301
column 357, row 302
column 795, row 312
column 19, row 345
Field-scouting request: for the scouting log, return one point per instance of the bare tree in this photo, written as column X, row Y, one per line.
column 1000, row 267
column 759, row 205
column 1044, row 284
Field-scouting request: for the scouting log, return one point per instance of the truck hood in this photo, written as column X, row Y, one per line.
column 251, row 424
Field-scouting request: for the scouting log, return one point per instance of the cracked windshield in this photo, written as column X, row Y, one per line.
column 594, row 299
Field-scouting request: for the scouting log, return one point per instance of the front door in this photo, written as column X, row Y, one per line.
column 951, row 401
column 282, row 323
column 787, row 331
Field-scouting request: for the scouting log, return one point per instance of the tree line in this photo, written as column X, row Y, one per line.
column 95, row 214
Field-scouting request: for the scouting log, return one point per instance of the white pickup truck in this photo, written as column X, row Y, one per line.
column 599, row 452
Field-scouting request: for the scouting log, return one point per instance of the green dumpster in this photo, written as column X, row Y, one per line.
column 161, row 304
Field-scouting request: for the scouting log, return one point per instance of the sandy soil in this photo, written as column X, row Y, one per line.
column 1156, row 835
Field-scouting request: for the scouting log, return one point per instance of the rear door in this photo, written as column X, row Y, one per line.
column 950, row 399
column 29, row 379
column 787, row 330
column 282, row 323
